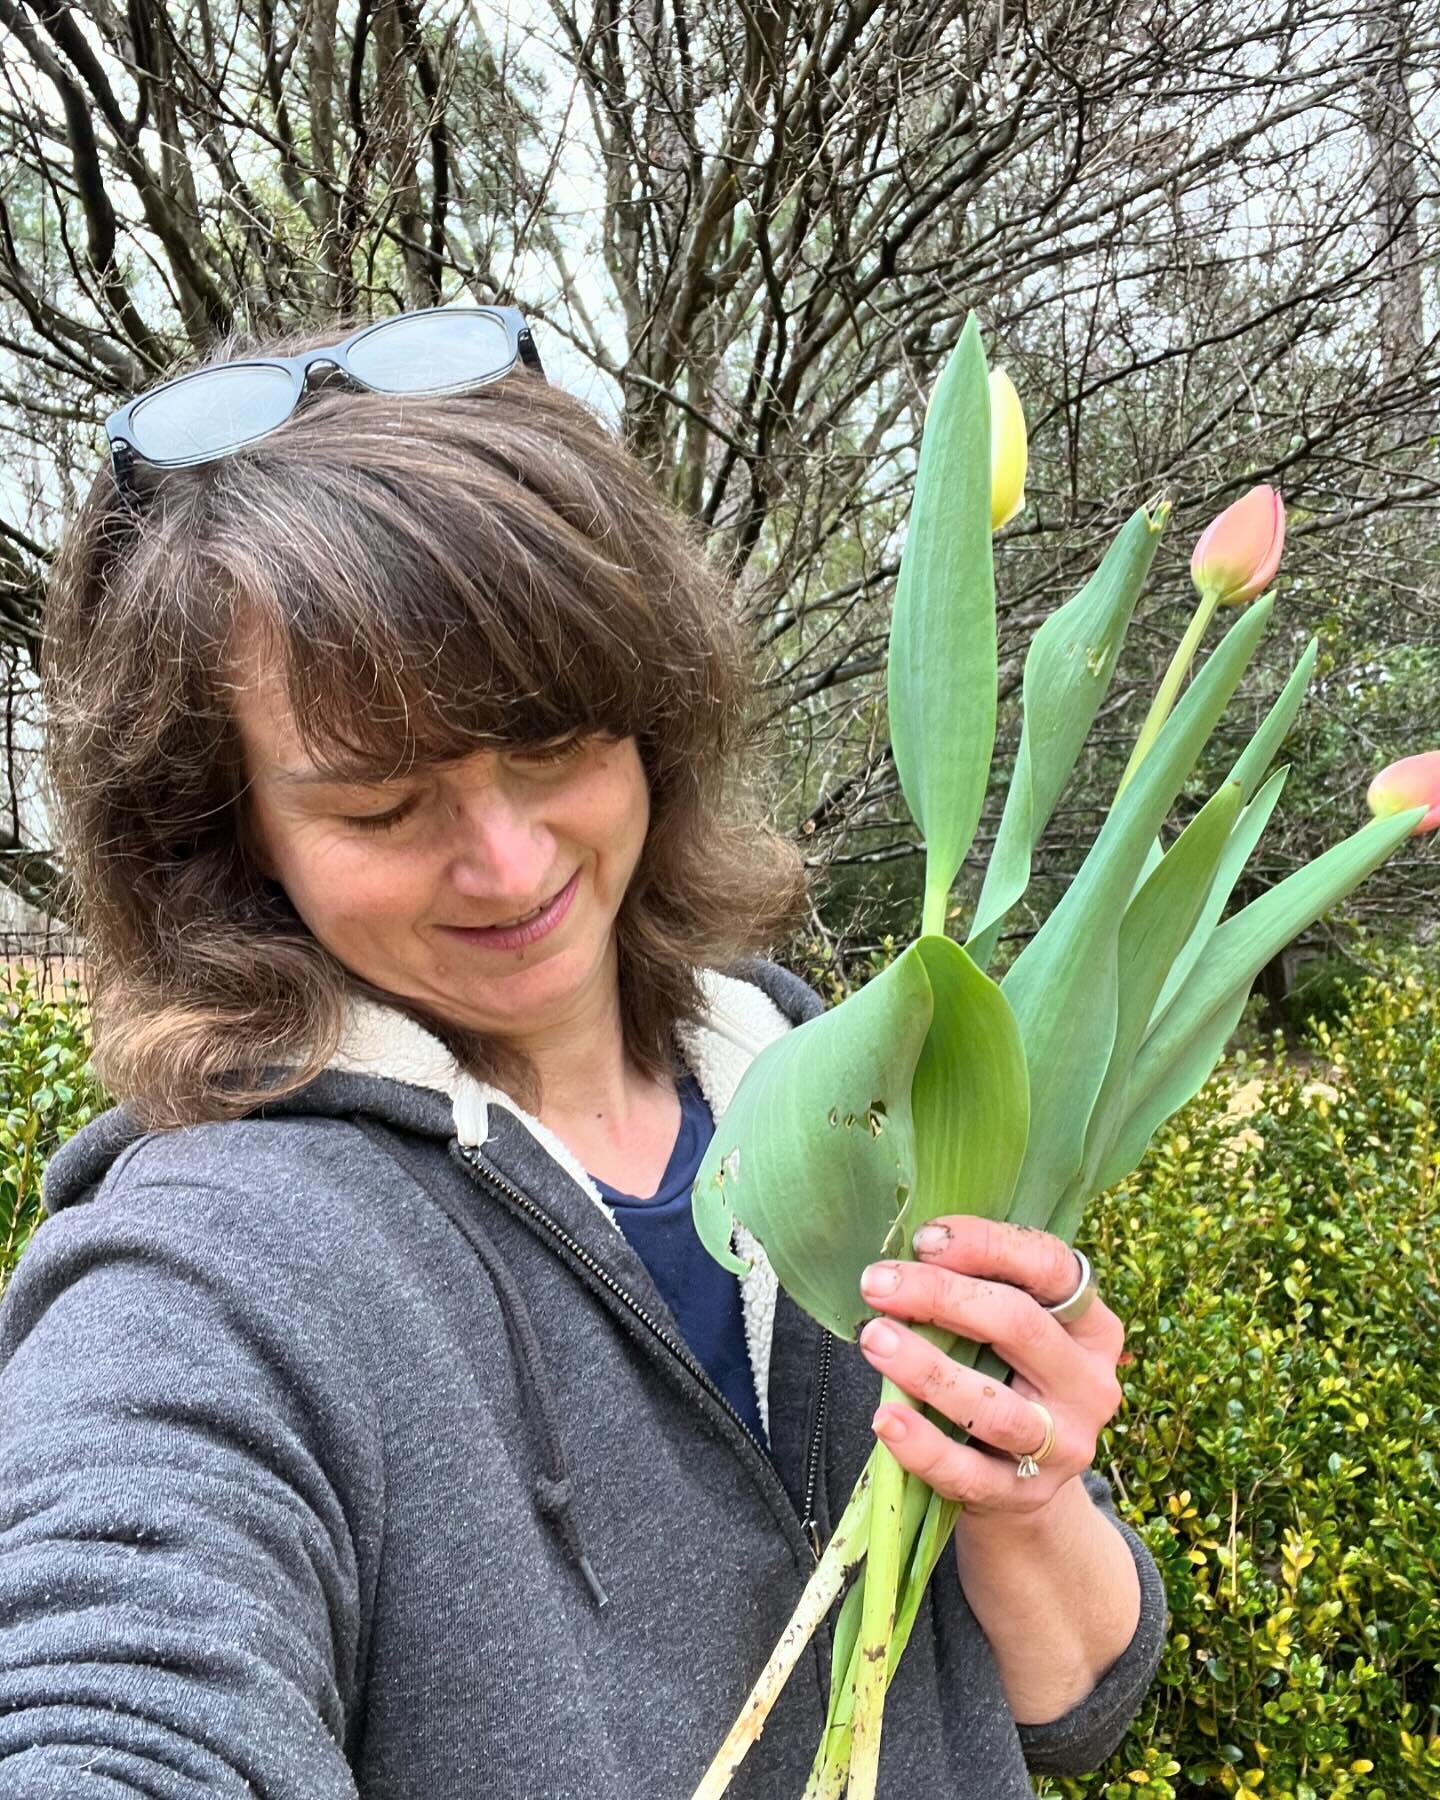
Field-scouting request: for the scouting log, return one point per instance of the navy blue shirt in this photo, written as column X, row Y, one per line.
column 704, row 1298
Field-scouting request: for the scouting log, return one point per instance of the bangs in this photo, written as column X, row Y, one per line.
column 458, row 608
column 407, row 690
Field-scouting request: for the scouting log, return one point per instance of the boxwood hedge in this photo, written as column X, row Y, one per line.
column 1276, row 1260
column 46, row 1093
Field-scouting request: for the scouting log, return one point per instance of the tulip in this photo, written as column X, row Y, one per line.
column 1236, row 557
column 1413, row 781
column 1238, row 553
column 1028, row 1097
column 1008, row 450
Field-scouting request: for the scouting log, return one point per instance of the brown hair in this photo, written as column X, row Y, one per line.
column 442, row 574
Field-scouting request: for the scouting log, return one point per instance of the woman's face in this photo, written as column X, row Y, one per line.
column 535, row 849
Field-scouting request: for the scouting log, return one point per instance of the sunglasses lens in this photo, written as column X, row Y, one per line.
column 432, row 353
column 210, row 412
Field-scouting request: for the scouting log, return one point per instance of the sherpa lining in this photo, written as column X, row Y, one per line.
column 737, row 1023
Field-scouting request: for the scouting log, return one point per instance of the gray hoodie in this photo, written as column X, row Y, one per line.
column 349, row 1449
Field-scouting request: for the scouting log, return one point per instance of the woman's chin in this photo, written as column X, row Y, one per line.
column 534, row 992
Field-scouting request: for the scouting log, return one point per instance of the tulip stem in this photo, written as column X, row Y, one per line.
column 844, row 1551
column 923, row 1514
column 877, row 1617
column 847, row 1549
column 1169, row 690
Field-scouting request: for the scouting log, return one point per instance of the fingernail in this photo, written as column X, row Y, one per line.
column 881, row 1278
column 930, row 1239
column 879, row 1338
column 889, row 1426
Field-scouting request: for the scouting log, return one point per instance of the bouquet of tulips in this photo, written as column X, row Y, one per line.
column 934, row 1088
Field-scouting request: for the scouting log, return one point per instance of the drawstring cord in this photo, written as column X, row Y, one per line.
column 554, row 1491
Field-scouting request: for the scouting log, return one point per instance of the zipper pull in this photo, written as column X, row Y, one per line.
column 811, row 1528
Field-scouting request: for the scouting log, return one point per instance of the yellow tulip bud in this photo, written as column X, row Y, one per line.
column 1008, row 450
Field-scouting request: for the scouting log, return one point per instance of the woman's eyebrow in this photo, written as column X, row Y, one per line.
column 373, row 774
column 361, row 774
column 351, row 777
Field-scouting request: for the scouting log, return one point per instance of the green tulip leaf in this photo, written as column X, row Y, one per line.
column 970, row 1097
column 1068, row 670
column 905, row 1102
column 1244, row 836
column 1156, row 926
column 1250, row 766
column 1182, row 1050
column 942, row 664
column 1064, row 986
column 1259, row 753
column 1154, row 856
column 815, row 1154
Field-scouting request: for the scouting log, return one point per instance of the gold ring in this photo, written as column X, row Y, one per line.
column 1029, row 1464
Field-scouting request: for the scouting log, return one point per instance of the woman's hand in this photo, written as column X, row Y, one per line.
column 1053, row 1585
column 991, row 1282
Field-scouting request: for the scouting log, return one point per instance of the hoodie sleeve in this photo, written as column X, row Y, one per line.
column 187, row 1470
column 1091, row 1731
column 1083, row 1738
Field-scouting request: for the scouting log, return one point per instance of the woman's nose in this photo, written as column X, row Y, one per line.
column 501, row 852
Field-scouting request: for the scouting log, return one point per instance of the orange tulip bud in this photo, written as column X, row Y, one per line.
column 1238, row 553
column 1413, row 781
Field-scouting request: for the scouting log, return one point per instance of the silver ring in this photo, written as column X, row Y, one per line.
column 1085, row 1295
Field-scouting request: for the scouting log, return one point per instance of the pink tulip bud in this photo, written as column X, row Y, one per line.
column 1239, row 552
column 1413, row 781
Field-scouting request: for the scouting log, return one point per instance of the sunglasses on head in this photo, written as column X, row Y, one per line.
column 208, row 413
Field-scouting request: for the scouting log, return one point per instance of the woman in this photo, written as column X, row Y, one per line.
column 370, row 1420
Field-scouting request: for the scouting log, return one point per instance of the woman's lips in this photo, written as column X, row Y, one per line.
column 529, row 931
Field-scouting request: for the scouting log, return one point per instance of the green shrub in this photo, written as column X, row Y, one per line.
column 1280, row 1444
column 1324, row 992
column 47, row 1092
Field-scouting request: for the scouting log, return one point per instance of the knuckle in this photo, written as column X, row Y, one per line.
column 1112, row 1329
column 1019, row 1425
column 934, row 1288
column 937, row 1380
column 948, row 1473
column 951, row 1297
column 1015, row 1252
column 1030, row 1324
column 1064, row 1267
column 990, row 1241
column 1078, row 1451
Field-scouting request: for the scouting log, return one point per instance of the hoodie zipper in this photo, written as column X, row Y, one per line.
column 810, row 1525
column 671, row 1343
